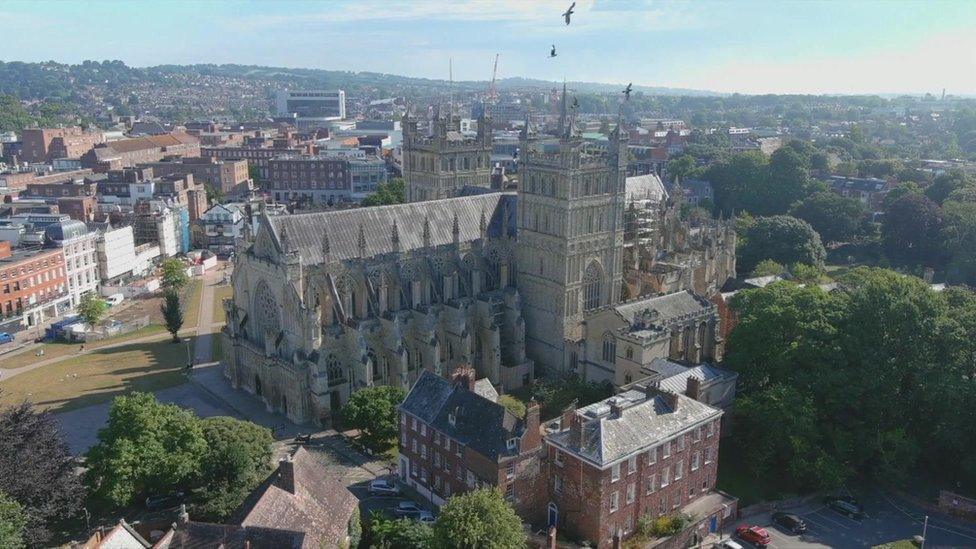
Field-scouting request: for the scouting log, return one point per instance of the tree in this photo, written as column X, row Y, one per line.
column 386, row 533
column 37, row 471
column 174, row 274
column 12, row 523
column 480, row 518
column 785, row 240
column 373, row 410
column 835, row 217
column 172, row 313
column 146, row 448
column 512, row 404
column 13, row 115
column 681, row 167
column 391, row 192
column 911, row 233
column 254, row 172
column 946, row 184
column 91, row 309
column 901, row 190
column 959, row 236
column 237, row 460
column 768, row 267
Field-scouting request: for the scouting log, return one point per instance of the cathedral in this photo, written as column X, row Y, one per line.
column 581, row 271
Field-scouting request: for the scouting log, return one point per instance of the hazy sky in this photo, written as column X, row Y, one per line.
column 733, row 46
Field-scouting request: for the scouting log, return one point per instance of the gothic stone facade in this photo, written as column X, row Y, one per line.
column 439, row 163
column 327, row 303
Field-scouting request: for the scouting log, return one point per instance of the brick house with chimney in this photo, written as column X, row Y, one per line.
column 455, row 437
column 644, row 452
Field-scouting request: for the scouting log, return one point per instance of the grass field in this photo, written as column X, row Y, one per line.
column 900, row 544
column 220, row 294
column 191, row 301
column 59, row 349
column 99, row 376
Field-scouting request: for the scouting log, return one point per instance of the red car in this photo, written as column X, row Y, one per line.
column 753, row 534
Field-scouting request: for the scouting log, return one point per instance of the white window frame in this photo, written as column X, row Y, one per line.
column 666, row 452
column 652, row 456
column 695, row 461
column 652, row 483
column 679, row 470
column 710, row 429
column 631, row 493
column 558, row 458
column 708, row 455
column 631, row 464
column 615, row 472
column 614, row 501
column 665, row 477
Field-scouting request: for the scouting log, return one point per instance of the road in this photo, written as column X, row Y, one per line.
column 889, row 518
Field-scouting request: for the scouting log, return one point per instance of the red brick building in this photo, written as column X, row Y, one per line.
column 454, row 438
column 125, row 153
column 33, row 284
column 644, row 452
column 81, row 208
column 46, row 144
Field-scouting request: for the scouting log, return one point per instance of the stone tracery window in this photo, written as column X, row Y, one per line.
column 609, row 348
column 266, row 311
column 334, row 370
column 592, row 286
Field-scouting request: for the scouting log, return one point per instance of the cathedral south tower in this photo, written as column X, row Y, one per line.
column 570, row 231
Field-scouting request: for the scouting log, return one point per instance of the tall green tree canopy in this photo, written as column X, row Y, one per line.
column 91, row 308
column 783, row 239
column 945, row 184
column 386, row 533
column 238, row 458
column 391, row 192
column 172, row 313
column 37, row 471
column 373, row 410
column 174, row 274
column 146, row 448
column 912, row 231
column 834, row 217
column 476, row 519
column 13, row 521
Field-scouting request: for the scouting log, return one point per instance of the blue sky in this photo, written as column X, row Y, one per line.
column 743, row 46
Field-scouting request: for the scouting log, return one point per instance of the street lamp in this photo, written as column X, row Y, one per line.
column 925, row 527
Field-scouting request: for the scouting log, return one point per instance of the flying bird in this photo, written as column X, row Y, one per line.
column 569, row 12
column 627, row 91
column 552, row 52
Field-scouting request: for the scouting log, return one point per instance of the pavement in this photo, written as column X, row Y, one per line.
column 889, row 518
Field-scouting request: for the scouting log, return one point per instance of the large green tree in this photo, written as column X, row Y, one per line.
column 391, row 192
column 911, row 233
column 959, row 236
column 146, row 448
column 783, row 239
column 834, row 217
column 237, row 459
column 91, row 308
column 386, row 533
column 373, row 410
column 480, row 518
column 945, row 184
column 13, row 521
column 174, row 275
column 172, row 313
column 37, row 471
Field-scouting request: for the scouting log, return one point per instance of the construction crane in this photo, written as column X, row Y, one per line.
column 492, row 91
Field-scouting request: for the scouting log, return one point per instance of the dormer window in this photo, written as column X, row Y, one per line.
column 512, row 444
column 452, row 418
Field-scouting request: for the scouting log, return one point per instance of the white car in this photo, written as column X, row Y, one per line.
column 426, row 517
column 114, row 299
column 408, row 509
column 729, row 544
column 383, row 487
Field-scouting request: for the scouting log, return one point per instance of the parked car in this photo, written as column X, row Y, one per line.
column 426, row 517
column 383, row 487
column 407, row 509
column 164, row 501
column 755, row 535
column 114, row 299
column 790, row 522
column 729, row 544
column 844, row 506
column 5, row 338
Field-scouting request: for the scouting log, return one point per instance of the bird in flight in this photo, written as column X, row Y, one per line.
column 569, row 12
column 552, row 52
column 627, row 91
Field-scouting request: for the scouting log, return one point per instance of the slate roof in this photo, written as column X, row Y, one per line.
column 644, row 421
column 667, row 306
column 645, row 187
column 204, row 535
column 305, row 231
column 484, row 388
column 320, row 507
column 480, row 424
column 674, row 377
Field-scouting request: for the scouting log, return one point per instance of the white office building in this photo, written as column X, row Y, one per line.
column 312, row 104
column 116, row 249
column 80, row 256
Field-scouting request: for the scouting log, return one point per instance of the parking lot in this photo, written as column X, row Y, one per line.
column 888, row 519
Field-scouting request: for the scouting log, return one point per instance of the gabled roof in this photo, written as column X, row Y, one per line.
column 306, row 231
column 200, row 535
column 644, row 421
column 479, row 423
column 672, row 376
column 666, row 306
column 320, row 505
column 645, row 187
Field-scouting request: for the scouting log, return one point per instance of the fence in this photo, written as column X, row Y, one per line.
column 113, row 329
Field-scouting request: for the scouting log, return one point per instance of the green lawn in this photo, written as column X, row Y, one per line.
column 900, row 544
column 220, row 294
column 191, row 304
column 59, row 348
column 99, row 376
column 216, row 346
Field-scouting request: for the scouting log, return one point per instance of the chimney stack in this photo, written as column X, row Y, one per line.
column 576, row 430
column 693, row 389
column 286, row 474
column 616, row 408
column 671, row 399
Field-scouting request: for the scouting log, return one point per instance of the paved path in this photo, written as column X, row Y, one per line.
column 203, row 348
column 9, row 373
